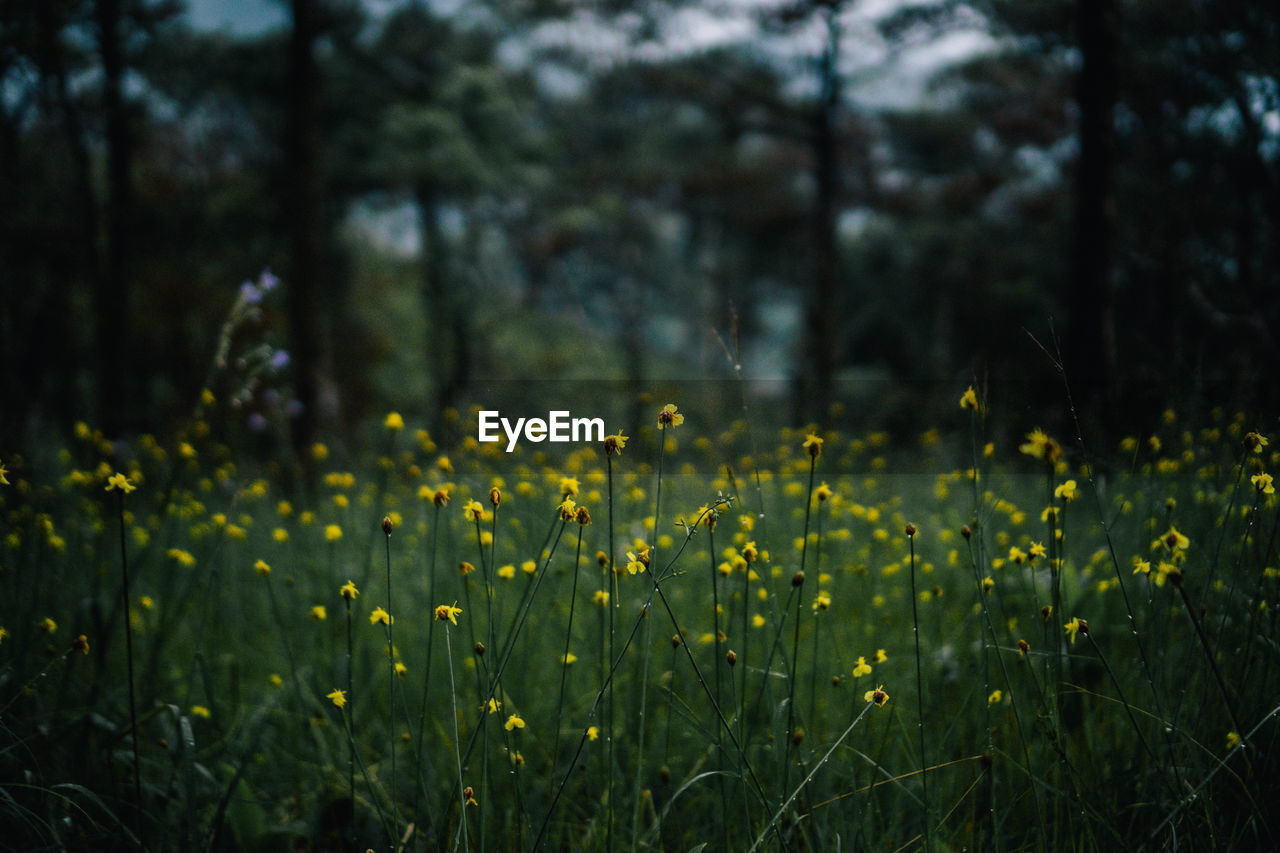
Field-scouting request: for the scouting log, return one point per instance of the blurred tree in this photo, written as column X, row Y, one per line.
column 1175, row 155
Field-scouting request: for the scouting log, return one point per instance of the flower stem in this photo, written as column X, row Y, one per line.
column 133, row 702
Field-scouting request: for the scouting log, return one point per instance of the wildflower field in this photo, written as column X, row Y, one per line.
column 669, row 640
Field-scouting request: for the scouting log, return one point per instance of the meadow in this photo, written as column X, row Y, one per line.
column 671, row 640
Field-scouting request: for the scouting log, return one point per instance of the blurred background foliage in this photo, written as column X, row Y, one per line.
column 461, row 194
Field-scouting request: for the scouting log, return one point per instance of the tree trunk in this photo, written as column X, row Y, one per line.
column 821, row 326
column 116, row 403
column 305, row 287
column 1091, row 346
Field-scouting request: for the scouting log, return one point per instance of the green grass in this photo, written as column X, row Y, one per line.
column 1121, row 736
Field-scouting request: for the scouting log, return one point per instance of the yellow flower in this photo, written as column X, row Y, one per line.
column 614, row 444
column 969, row 399
column 450, row 612
column 380, row 615
column 470, row 795
column 637, row 562
column 529, row 567
column 401, row 669
column 569, row 486
column 318, row 613
column 394, row 422
column 822, row 601
column 861, row 668
column 513, row 722
column 988, row 584
column 1255, row 441
column 280, row 535
column 319, row 452
column 881, row 657
column 1076, row 626
column 592, row 732
column 49, row 625
column 567, row 509
column 1172, row 539
column 332, row 533
column 200, row 711
column 1017, row 555
column 1066, row 492
column 338, row 697
column 822, row 493
column 812, row 445
column 1262, row 482
column 568, row 658
column 181, row 557
column 1040, row 446
column 1233, row 740
column 878, row 696
column 669, row 417
column 275, row 679
column 119, row 481
column 4, row 481
column 507, row 572
column 494, row 705
column 1037, row 549
column 601, row 597
column 995, row 697
column 473, row 510
column 349, row 591
column 262, row 568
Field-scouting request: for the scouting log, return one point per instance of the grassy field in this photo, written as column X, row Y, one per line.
column 681, row 640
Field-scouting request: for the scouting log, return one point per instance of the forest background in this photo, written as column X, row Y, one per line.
column 852, row 202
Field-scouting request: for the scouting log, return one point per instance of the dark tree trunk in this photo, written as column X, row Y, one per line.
column 821, row 324
column 116, row 403
column 305, row 287
column 1091, row 346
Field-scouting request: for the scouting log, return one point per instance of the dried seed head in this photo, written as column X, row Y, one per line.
column 387, row 526
column 966, row 532
column 797, row 579
column 731, row 657
column 495, row 496
column 479, row 649
column 910, row 529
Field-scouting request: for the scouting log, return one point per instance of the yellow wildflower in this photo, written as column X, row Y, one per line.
column 121, row 482
column 669, row 417
column 394, row 422
column 878, row 696
column 318, row 613
column 861, row 668
column 380, row 615
column 338, row 697
column 513, row 722
column 450, row 612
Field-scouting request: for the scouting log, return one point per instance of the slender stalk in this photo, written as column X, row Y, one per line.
column 612, row 606
column 351, row 698
column 915, row 633
column 128, row 646
column 426, row 678
column 816, row 767
column 798, row 584
column 457, row 742
column 391, row 682
column 568, row 639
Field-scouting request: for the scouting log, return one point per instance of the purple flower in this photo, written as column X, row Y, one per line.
column 267, row 280
column 280, row 359
column 249, row 293
column 257, row 422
